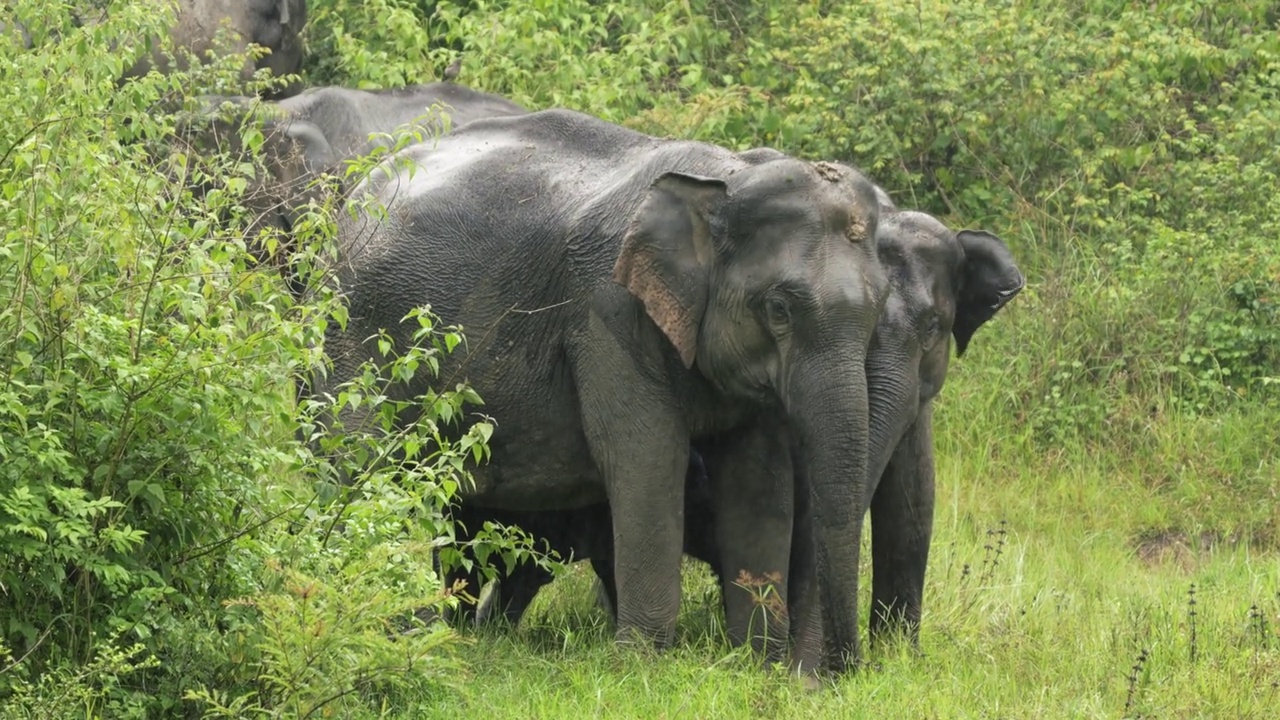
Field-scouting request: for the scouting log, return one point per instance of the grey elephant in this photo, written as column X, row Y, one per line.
column 315, row 132
column 945, row 285
column 942, row 284
column 625, row 296
column 272, row 24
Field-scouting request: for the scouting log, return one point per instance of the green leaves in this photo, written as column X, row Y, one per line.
column 150, row 468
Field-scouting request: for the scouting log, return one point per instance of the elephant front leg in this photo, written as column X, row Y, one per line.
column 901, row 528
column 752, row 490
column 642, row 453
column 648, row 525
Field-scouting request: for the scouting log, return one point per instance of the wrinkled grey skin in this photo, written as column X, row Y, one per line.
column 317, row 131
column 623, row 297
column 941, row 284
column 273, row 24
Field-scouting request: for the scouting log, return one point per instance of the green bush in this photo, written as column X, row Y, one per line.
column 171, row 521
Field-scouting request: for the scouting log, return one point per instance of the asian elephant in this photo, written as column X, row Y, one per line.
column 945, row 285
column 942, row 285
column 315, row 132
column 624, row 297
column 272, row 24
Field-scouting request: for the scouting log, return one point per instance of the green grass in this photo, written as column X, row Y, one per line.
column 1101, row 545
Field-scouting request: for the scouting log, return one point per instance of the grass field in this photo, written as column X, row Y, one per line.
column 1060, row 586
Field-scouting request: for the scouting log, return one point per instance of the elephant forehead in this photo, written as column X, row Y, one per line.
column 832, row 273
column 915, row 229
column 804, row 211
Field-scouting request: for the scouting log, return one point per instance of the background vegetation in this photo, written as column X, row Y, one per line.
column 1109, row 511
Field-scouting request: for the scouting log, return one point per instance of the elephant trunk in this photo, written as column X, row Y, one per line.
column 893, row 399
column 830, row 402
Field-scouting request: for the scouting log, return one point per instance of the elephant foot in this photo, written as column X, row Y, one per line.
column 646, row 641
column 808, row 681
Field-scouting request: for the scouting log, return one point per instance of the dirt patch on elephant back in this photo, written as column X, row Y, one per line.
column 1186, row 550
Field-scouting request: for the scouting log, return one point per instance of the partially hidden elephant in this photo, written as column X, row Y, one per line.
column 942, row 284
column 624, row 297
column 312, row 134
column 272, row 24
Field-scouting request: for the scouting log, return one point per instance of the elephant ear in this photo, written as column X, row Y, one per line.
column 310, row 142
column 668, row 252
column 990, row 279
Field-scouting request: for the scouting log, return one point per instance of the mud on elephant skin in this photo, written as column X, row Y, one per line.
column 624, row 297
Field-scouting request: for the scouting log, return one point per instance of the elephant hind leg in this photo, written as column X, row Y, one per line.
column 752, row 492
column 515, row 592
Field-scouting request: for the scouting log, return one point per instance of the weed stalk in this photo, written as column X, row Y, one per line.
column 1191, row 619
column 1135, row 674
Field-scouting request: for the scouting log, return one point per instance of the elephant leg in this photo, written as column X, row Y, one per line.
column 700, row 516
column 517, row 590
column 901, row 528
column 647, row 531
column 751, row 480
column 606, row 586
column 699, row 536
column 641, row 447
column 806, row 609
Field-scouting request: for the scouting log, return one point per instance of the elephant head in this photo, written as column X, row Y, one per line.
column 273, row 24
column 942, row 285
column 294, row 155
column 769, row 286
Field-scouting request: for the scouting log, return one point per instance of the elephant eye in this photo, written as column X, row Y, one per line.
column 930, row 329
column 777, row 310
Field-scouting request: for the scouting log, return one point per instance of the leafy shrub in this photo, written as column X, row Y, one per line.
column 167, row 507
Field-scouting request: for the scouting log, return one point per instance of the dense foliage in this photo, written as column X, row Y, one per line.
column 164, row 533
column 171, row 521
